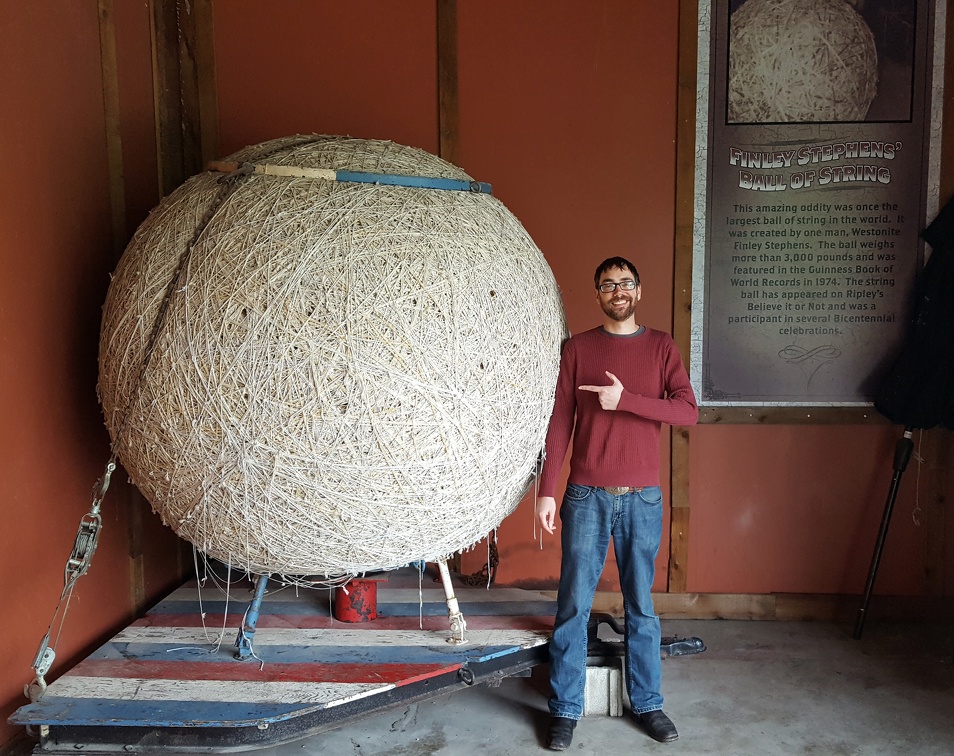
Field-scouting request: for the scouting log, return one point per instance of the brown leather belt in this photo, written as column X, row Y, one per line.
column 620, row 490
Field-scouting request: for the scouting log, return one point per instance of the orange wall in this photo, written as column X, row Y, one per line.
column 796, row 509
column 57, row 253
column 365, row 68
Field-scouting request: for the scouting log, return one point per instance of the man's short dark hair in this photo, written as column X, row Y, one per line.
column 615, row 262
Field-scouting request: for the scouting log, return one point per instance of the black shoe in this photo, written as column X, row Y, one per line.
column 657, row 725
column 560, row 734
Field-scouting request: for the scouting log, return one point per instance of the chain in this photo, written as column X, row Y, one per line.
column 87, row 538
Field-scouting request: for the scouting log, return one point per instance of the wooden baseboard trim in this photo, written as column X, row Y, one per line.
column 784, row 607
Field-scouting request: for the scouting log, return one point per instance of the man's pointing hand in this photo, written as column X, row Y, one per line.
column 608, row 395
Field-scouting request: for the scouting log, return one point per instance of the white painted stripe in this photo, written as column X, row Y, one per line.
column 137, row 689
column 338, row 637
column 464, row 595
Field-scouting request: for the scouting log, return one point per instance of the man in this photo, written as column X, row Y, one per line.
column 618, row 383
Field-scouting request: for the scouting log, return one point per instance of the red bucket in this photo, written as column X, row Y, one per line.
column 357, row 601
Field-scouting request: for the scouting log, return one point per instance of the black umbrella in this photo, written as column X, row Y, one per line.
column 918, row 391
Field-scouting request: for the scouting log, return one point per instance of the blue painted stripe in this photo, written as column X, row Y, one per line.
column 482, row 608
column 85, row 711
column 444, row 654
column 424, row 182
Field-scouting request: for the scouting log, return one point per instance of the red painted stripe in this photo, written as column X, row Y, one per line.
column 317, row 622
column 251, row 671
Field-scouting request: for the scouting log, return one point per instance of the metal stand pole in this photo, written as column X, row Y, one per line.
column 902, row 454
column 246, row 632
column 457, row 623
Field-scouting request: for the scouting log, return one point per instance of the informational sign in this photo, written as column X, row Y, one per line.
column 813, row 185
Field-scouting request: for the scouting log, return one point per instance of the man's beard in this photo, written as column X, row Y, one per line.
column 619, row 314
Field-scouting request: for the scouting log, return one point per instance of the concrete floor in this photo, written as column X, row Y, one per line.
column 760, row 688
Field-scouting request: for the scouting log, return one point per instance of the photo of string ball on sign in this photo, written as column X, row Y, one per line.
column 800, row 61
column 332, row 356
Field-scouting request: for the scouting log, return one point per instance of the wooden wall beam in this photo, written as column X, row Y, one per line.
column 197, row 73
column 792, row 416
column 166, row 94
column 448, row 123
column 134, row 501
column 682, row 280
column 186, row 109
column 782, row 607
column 184, row 89
column 114, row 141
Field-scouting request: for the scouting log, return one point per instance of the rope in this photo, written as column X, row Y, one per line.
column 488, row 573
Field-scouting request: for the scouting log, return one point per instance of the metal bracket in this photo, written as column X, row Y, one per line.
column 41, row 665
column 246, row 633
column 244, row 169
column 673, row 646
column 102, row 486
column 458, row 625
column 668, row 645
column 87, row 538
column 84, row 546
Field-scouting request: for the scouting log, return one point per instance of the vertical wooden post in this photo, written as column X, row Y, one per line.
column 117, row 201
column 447, row 121
column 114, row 141
column 163, row 26
column 183, row 71
column 184, row 88
column 682, row 280
column 197, row 74
column 448, row 125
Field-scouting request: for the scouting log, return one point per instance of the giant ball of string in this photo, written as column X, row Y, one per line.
column 800, row 61
column 315, row 377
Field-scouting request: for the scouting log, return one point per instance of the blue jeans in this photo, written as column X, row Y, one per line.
column 634, row 520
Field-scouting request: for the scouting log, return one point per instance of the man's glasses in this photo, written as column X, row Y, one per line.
column 608, row 286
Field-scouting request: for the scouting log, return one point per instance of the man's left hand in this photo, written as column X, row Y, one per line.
column 608, row 395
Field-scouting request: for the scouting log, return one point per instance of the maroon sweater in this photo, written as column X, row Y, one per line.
column 616, row 448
